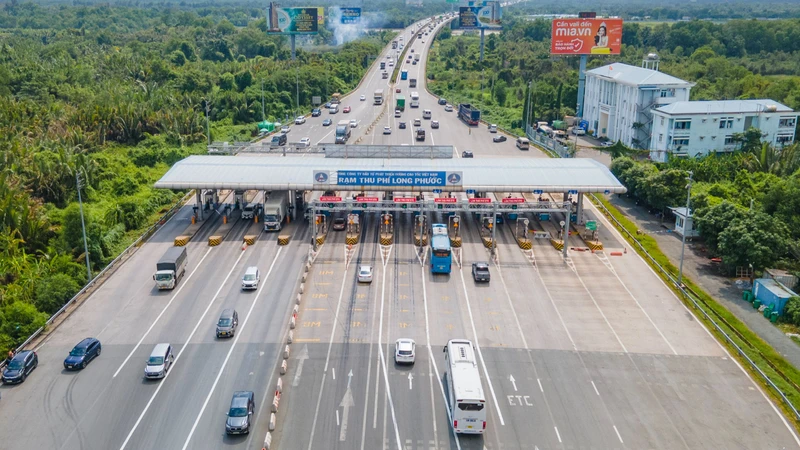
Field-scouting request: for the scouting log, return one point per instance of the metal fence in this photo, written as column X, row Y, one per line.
column 541, row 139
column 696, row 302
column 389, row 151
column 98, row 278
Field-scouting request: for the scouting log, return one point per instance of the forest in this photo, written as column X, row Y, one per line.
column 115, row 95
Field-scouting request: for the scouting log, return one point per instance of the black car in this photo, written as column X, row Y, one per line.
column 316, row 112
column 480, row 271
column 326, row 122
column 339, row 224
column 20, row 367
column 442, row 101
column 402, row 125
column 466, row 154
column 86, row 350
column 499, row 138
column 243, row 406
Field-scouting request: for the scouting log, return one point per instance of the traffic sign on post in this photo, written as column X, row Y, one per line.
column 591, row 225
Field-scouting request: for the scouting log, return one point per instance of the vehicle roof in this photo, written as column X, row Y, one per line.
column 405, row 344
column 481, row 265
column 22, row 355
column 226, row 313
column 363, row 268
column 85, row 343
column 240, row 398
column 159, row 349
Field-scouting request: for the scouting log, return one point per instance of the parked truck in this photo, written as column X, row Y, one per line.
column 401, row 103
column 412, row 82
column 378, row 96
column 170, row 268
column 342, row 131
column 469, row 114
column 275, row 210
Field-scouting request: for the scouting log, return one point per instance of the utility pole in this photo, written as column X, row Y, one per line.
column 685, row 221
column 83, row 226
column 208, row 128
column 263, row 111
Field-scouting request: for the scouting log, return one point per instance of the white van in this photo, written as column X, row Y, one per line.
column 248, row 211
column 493, row 128
column 523, row 143
column 426, row 114
column 578, row 131
column 334, row 109
column 250, row 278
column 159, row 362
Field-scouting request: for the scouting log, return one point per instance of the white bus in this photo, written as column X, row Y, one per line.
column 467, row 403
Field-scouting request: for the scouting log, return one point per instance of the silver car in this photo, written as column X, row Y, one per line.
column 365, row 274
column 405, row 351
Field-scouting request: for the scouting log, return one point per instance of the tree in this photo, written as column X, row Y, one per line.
column 756, row 239
column 666, row 188
column 54, row 292
column 791, row 311
column 19, row 320
column 749, row 140
column 714, row 220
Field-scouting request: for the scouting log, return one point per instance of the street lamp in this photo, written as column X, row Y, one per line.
column 83, row 227
column 683, row 240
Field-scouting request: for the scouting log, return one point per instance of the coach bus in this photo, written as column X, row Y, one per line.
column 467, row 404
column 441, row 257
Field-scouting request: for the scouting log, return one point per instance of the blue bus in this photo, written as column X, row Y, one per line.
column 441, row 256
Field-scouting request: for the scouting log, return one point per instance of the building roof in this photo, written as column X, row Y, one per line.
column 724, row 107
column 681, row 211
column 637, row 76
column 482, row 174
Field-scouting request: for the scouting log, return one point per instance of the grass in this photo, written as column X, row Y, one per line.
column 785, row 376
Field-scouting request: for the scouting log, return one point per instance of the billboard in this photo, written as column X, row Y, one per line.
column 320, row 15
column 350, row 15
column 586, row 37
column 486, row 15
column 291, row 20
column 387, row 178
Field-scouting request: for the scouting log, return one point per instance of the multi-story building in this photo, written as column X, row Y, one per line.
column 619, row 100
column 689, row 129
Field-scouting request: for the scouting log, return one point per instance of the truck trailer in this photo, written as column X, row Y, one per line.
column 275, row 210
column 378, row 96
column 469, row 114
column 342, row 131
column 401, row 103
column 170, row 268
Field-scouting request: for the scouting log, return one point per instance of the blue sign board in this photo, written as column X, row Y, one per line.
column 351, row 15
column 391, row 178
column 537, row 191
column 437, row 191
column 573, row 192
column 470, row 191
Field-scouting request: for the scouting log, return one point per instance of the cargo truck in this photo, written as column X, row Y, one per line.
column 416, row 57
column 342, row 131
column 412, row 82
column 394, row 44
column 403, row 74
column 170, row 268
column 378, row 96
column 469, row 114
column 401, row 103
column 275, row 209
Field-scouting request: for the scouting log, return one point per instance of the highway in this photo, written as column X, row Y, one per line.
column 591, row 353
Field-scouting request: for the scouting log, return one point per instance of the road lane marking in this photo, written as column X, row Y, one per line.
column 333, row 372
column 306, row 340
column 178, row 356
column 383, row 360
column 586, row 288
column 369, row 377
column 230, row 350
column 540, row 385
column 180, row 288
column 618, row 436
column 595, row 388
column 558, row 435
column 478, row 348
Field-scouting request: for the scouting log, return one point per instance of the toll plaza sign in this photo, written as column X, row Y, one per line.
column 388, row 178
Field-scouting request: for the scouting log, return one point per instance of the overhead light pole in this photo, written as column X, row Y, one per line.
column 685, row 222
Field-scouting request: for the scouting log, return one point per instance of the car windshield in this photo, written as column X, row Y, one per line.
column 15, row 364
column 224, row 322
column 238, row 412
column 249, row 277
column 77, row 352
column 271, row 218
column 339, row 221
column 155, row 361
column 163, row 276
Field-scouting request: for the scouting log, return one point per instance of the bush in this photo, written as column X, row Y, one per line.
column 18, row 321
column 53, row 292
column 791, row 312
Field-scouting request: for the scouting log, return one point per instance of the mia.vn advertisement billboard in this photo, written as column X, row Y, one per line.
column 586, row 37
column 291, row 20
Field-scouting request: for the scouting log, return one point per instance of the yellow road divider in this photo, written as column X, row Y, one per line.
column 487, row 242
column 455, row 241
column 351, row 239
column 180, row 241
column 558, row 244
column 321, row 239
column 595, row 245
column 387, row 238
column 283, row 239
column 250, row 239
column 524, row 243
column 214, row 240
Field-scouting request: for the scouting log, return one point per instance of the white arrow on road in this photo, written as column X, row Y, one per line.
column 513, row 382
column 347, row 403
column 302, row 357
column 410, row 380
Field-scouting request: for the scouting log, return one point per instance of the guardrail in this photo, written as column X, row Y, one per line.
column 97, row 278
column 696, row 301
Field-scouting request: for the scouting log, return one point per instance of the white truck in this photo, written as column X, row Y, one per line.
column 378, row 96
column 170, row 268
column 275, row 210
column 416, row 57
column 414, row 100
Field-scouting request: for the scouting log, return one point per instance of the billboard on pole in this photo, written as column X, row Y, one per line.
column 350, row 15
column 486, row 15
column 586, row 37
column 291, row 20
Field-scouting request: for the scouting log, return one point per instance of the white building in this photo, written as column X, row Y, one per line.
column 684, row 223
column 619, row 99
column 689, row 129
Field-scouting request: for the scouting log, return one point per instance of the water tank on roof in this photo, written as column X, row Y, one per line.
column 771, row 108
column 652, row 56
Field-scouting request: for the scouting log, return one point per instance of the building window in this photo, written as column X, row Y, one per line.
column 784, row 139
column 679, row 222
column 680, row 142
column 729, row 140
column 683, row 124
column 667, row 93
column 660, row 138
column 662, row 121
column 725, row 122
column 787, row 122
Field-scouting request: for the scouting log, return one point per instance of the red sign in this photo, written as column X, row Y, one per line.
column 513, row 200
column 480, row 200
column 405, row 200
column 445, row 200
column 586, row 37
column 330, row 199
column 367, row 199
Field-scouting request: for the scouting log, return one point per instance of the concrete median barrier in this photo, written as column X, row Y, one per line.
column 181, row 241
column 250, row 239
column 213, row 241
column 283, row 239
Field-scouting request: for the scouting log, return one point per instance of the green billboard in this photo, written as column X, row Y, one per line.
column 291, row 20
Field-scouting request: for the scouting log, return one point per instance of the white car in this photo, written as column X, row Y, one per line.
column 285, row 129
column 305, row 142
column 387, row 130
column 353, row 123
column 363, row 97
column 417, row 122
column 391, row 63
column 448, row 107
column 300, row 120
column 405, row 351
column 365, row 274
column 607, row 144
column 397, row 113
